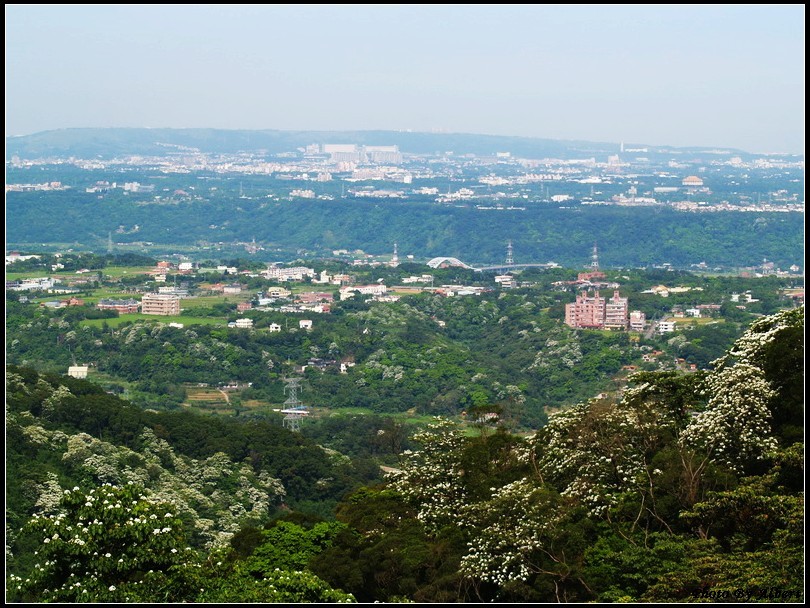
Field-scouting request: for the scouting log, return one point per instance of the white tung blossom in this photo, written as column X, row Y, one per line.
column 598, row 450
column 734, row 428
column 196, row 487
column 430, row 477
column 519, row 519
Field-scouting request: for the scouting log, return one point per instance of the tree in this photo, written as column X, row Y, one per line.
column 600, row 452
column 525, row 530
column 431, row 476
column 225, row 581
column 288, row 546
column 734, row 429
column 111, row 544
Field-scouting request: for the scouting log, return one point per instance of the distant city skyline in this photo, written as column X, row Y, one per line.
column 665, row 75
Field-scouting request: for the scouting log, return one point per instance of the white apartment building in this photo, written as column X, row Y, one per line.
column 666, row 327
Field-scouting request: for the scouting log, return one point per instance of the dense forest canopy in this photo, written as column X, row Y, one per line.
column 628, row 237
column 687, row 487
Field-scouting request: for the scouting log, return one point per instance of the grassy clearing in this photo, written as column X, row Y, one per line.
column 106, row 293
column 208, row 301
column 33, row 274
column 207, row 395
column 696, row 320
column 405, row 417
column 119, row 271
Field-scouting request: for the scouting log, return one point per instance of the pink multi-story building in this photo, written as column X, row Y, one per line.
column 596, row 312
column 638, row 320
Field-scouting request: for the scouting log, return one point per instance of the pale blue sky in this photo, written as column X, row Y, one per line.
column 682, row 75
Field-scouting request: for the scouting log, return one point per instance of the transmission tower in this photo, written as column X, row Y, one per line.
column 292, row 422
column 294, row 409
column 291, row 388
column 509, row 259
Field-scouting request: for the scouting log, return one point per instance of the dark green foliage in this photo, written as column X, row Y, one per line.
column 622, row 567
column 76, row 261
column 226, row 581
column 289, row 546
column 306, row 470
column 431, row 230
column 387, row 555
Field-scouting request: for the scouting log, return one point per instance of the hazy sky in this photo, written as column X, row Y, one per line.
column 683, row 75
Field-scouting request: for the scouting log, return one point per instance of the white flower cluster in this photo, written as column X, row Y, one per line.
column 430, row 477
column 97, row 536
column 42, row 437
column 562, row 346
column 15, row 383
column 510, row 392
column 734, row 428
column 216, row 494
column 750, row 346
column 519, row 519
column 56, row 398
column 599, row 451
column 50, row 494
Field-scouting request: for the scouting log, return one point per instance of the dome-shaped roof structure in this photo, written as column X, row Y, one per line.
column 445, row 262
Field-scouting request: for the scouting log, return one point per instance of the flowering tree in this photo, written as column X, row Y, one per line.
column 757, row 383
column 515, row 528
column 213, row 496
column 431, row 477
column 111, row 544
column 775, row 345
column 598, row 452
column 734, row 429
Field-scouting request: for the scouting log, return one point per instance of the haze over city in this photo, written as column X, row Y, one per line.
column 716, row 76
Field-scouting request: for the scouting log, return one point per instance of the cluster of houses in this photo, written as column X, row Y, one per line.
column 589, row 310
column 247, row 323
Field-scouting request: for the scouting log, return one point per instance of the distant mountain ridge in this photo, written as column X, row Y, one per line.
column 112, row 142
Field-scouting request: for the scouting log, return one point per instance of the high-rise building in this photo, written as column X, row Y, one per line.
column 342, row 153
column 352, row 153
column 596, row 312
column 586, row 311
column 389, row 155
column 616, row 312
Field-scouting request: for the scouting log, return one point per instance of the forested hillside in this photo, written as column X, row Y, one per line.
column 636, row 237
column 424, row 354
column 687, row 487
